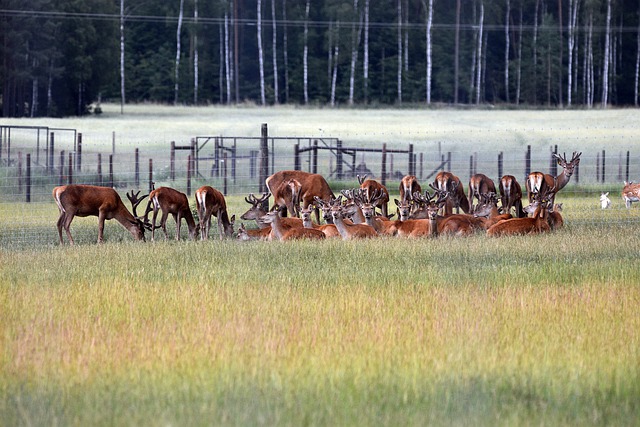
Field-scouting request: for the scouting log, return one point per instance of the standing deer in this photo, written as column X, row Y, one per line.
column 446, row 181
column 511, row 195
column 630, row 193
column 408, row 186
column 479, row 184
column 371, row 187
column 311, row 185
column 210, row 202
column 105, row 203
column 172, row 202
column 538, row 181
column 287, row 196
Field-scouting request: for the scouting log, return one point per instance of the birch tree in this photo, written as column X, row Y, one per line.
column 177, row 73
column 399, row 51
column 263, row 100
column 479, row 70
column 506, row 51
column 637, row 74
column 365, row 64
column 305, row 64
column 571, row 41
column 227, row 56
column 355, row 47
column 606, row 57
column 195, row 54
column 429, row 21
column 285, row 52
column 334, row 76
column 456, row 54
column 274, row 48
column 122, row 91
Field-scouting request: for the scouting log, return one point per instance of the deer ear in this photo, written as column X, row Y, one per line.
column 396, row 202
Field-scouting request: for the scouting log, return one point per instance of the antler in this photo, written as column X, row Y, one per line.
column 135, row 201
column 361, row 179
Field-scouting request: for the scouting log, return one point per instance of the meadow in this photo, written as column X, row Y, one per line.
column 510, row 331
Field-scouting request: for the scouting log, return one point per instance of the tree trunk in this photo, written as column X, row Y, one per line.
column 195, row 53
column 365, row 65
column 571, row 41
column 276, row 96
column 519, row 71
column 406, row 35
column 535, row 52
column 263, row 100
column 122, row 92
column 399, row 51
column 606, row 58
column 506, row 52
column 34, row 94
column 355, row 47
column 227, row 56
column 635, row 93
column 286, row 53
column 429, row 19
column 222, row 62
column 305, row 64
column 480, row 29
column 560, row 54
column 334, row 76
column 177, row 72
column 456, row 54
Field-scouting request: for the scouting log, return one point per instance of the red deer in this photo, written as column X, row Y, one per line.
column 210, row 202
column 479, row 184
column 370, row 187
column 511, row 195
column 329, row 230
column 630, row 193
column 257, row 211
column 408, row 186
column 446, row 181
column 538, row 181
column 367, row 205
column 346, row 230
column 105, row 203
column 312, row 185
column 428, row 227
column 287, row 195
column 282, row 232
column 485, row 216
column 172, row 202
column 530, row 225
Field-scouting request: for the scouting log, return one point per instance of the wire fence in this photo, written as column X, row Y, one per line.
column 33, row 160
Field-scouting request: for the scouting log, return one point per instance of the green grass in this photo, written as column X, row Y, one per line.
column 528, row 330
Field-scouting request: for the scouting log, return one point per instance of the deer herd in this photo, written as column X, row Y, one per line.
column 300, row 197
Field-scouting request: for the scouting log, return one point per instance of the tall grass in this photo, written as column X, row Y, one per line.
column 477, row 331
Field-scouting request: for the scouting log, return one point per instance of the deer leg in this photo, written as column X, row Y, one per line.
column 101, row 219
column 153, row 224
column 59, row 225
column 178, row 218
column 66, row 224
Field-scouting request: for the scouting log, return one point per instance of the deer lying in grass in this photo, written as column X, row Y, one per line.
column 427, row 227
column 329, row 230
column 530, row 225
column 346, row 230
column 257, row 211
column 289, row 233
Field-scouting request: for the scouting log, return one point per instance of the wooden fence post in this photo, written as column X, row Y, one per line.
column 150, row 175
column 339, row 159
column 421, row 165
column 99, row 169
column 383, row 173
column 111, row 170
column 598, row 167
column 264, row 158
column 627, row 171
column 603, row 163
column 70, row 168
column 50, row 165
column 527, row 162
column 224, row 171
column 500, row 164
column 28, row 178
column 79, row 154
column 172, row 161
column 136, row 176
column 189, row 175
column 296, row 156
column 412, row 163
column 314, row 164
column 61, row 180
column 19, row 171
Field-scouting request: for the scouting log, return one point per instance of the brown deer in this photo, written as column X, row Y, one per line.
column 257, row 211
column 346, row 230
column 210, row 202
column 287, row 195
column 479, row 184
column 173, row 202
column 511, row 195
column 370, row 187
column 630, row 193
column 367, row 203
column 105, row 203
column 530, row 225
column 428, row 227
column 446, row 181
column 290, row 233
column 329, row 230
column 408, row 186
column 485, row 216
column 312, row 185
column 538, row 181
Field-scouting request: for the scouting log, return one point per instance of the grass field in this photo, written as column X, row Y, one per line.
column 534, row 330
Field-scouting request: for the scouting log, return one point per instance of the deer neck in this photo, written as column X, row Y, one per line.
column 276, row 227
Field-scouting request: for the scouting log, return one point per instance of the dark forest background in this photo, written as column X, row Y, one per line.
column 64, row 57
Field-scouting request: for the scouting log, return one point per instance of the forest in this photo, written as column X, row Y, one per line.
column 65, row 57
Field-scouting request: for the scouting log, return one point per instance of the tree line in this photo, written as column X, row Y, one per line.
column 63, row 57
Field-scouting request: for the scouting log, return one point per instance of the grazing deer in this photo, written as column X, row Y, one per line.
column 538, row 181
column 408, row 186
column 479, row 184
column 287, row 195
column 511, row 195
column 530, row 225
column 173, row 202
column 630, row 193
column 105, row 203
column 311, row 185
column 211, row 202
column 282, row 232
column 605, row 202
column 446, row 181
column 329, row 230
column 346, row 230
column 371, row 187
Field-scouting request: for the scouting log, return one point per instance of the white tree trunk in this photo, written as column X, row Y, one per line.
column 399, row 51
column 355, row 47
column 285, row 53
column 406, row 36
column 227, row 56
column 535, row 51
column 34, row 93
column 274, row 43
column 222, row 63
column 263, row 100
column 606, row 58
column 177, row 73
column 122, row 92
column 480, row 35
column 365, row 64
column 635, row 93
column 305, row 65
column 334, row 77
column 571, row 41
column 507, row 41
column 429, row 19
column 519, row 72
column 195, row 54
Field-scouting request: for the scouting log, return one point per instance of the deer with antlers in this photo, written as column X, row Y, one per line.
column 311, row 185
column 371, row 187
column 289, row 233
column 426, row 227
column 538, row 181
column 538, row 223
column 511, row 195
column 446, row 181
column 173, row 202
column 211, row 202
column 479, row 184
column 329, row 230
column 105, row 203
column 367, row 203
column 349, row 231
column 257, row 211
